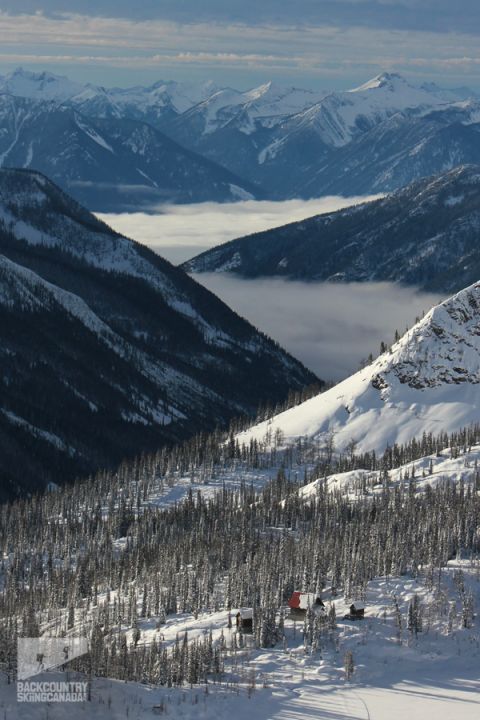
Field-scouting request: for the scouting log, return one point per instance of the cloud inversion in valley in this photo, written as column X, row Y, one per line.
column 178, row 232
column 330, row 327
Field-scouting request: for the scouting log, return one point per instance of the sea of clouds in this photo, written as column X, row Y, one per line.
column 331, row 328
column 178, row 232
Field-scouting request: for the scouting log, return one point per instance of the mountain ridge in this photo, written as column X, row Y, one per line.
column 429, row 381
column 312, row 150
column 110, row 164
column 107, row 349
column 421, row 235
column 276, row 142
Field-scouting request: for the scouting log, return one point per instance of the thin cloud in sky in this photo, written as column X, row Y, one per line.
column 443, row 15
column 339, row 47
column 179, row 232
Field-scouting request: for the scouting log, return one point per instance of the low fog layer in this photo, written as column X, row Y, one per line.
column 329, row 327
column 179, row 232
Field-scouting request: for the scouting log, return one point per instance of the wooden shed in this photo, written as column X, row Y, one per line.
column 357, row 611
column 244, row 619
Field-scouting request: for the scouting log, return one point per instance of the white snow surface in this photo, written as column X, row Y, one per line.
column 179, row 95
column 430, row 381
column 435, row 675
column 337, row 117
column 45, row 86
column 449, row 466
column 93, row 134
column 39, row 86
column 269, row 104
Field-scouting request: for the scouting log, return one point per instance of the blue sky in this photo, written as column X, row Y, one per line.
column 319, row 43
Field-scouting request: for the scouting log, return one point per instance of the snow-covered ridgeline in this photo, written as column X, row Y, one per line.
column 448, row 466
column 51, row 87
column 428, row 382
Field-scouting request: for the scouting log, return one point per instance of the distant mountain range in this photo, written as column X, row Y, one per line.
column 429, row 382
column 145, row 103
column 374, row 138
column 237, row 129
column 425, row 234
column 106, row 348
column 124, row 148
column 109, row 163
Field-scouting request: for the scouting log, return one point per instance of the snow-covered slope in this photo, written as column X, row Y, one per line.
column 320, row 143
column 106, row 348
column 402, row 148
column 268, row 104
column 341, row 115
column 430, row 381
column 335, row 117
column 447, row 466
column 155, row 104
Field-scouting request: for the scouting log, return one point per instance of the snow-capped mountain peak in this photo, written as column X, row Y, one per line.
column 39, row 86
column 262, row 106
column 341, row 116
column 259, row 91
column 151, row 102
column 386, row 79
column 428, row 382
column 442, row 348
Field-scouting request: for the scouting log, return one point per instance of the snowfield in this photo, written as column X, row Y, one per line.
column 395, row 676
column 432, row 470
column 428, row 382
column 395, row 673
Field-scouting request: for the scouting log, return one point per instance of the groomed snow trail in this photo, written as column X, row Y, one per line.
column 313, row 702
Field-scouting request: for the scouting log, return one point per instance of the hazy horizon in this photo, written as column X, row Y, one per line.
column 323, row 44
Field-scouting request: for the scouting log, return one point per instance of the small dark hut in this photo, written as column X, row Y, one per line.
column 244, row 620
column 357, row 612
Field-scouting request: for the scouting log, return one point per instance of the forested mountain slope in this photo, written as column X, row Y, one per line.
column 106, row 348
column 110, row 164
column 424, row 235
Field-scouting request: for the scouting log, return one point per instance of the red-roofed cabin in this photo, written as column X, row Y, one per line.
column 300, row 602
